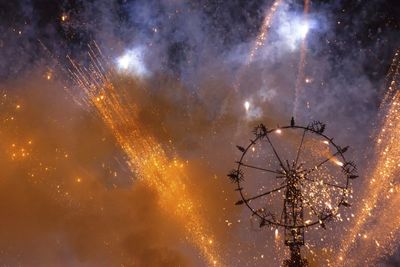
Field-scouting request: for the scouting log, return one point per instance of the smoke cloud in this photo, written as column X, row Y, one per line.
column 67, row 194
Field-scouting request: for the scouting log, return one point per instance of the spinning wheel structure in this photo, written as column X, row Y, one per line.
column 293, row 177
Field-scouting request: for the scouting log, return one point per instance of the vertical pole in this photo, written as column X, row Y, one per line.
column 294, row 217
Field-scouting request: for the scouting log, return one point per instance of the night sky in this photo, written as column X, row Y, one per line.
column 141, row 181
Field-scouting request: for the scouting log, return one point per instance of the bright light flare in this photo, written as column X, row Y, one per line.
column 294, row 29
column 132, row 61
column 246, row 105
column 64, row 17
column 124, row 62
column 49, row 75
column 338, row 162
column 303, row 30
column 252, row 111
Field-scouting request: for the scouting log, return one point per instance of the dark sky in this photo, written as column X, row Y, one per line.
column 370, row 25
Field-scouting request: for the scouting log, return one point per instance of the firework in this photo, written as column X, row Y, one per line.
column 147, row 159
column 302, row 63
column 382, row 238
column 381, row 188
column 260, row 40
column 262, row 36
column 313, row 188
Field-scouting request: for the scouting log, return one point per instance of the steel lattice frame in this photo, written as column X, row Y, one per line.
column 293, row 174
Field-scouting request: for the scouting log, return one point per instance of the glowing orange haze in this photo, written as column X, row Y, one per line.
column 146, row 158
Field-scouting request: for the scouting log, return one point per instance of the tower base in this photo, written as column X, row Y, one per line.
column 295, row 258
column 299, row 263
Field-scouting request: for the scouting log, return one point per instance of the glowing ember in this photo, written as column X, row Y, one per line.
column 247, row 105
column 303, row 30
column 381, row 197
column 260, row 40
column 147, row 159
column 132, row 61
column 337, row 162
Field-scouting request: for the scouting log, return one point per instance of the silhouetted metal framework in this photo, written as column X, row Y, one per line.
column 293, row 176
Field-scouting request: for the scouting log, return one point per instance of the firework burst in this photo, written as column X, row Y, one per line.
column 147, row 159
column 380, row 197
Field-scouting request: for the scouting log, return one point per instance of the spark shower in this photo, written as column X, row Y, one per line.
column 119, row 122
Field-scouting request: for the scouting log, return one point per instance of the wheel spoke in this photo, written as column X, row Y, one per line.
column 328, row 159
column 321, row 163
column 258, row 168
column 266, row 193
column 276, row 153
column 299, row 149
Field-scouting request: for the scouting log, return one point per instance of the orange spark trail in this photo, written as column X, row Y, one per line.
column 146, row 158
column 302, row 63
column 382, row 239
column 280, row 250
column 262, row 36
column 381, row 182
column 391, row 78
column 260, row 40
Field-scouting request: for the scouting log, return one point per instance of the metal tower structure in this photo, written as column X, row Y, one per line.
column 313, row 180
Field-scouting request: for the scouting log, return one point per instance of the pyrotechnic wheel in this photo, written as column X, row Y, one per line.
column 298, row 166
